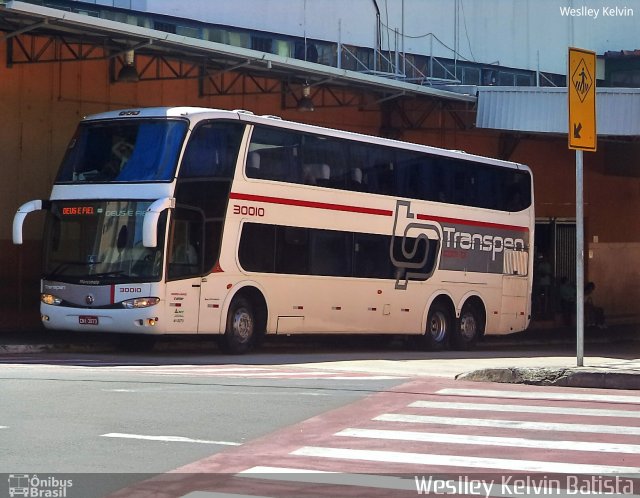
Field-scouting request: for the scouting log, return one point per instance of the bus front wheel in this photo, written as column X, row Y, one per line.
column 240, row 330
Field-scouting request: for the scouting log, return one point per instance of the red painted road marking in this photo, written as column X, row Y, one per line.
column 321, row 445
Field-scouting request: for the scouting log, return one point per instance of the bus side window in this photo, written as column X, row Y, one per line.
column 257, row 248
column 185, row 248
column 212, row 151
column 518, row 193
column 253, row 169
column 200, row 156
column 371, row 256
column 292, row 250
column 330, row 253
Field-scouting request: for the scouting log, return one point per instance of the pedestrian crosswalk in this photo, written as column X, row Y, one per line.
column 448, row 440
column 239, row 371
column 249, row 372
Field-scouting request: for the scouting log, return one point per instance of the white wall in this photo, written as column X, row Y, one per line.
column 515, row 33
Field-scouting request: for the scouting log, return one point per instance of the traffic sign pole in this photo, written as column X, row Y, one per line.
column 579, row 260
column 581, row 86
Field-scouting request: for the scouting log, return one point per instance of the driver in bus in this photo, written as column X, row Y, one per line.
column 121, row 151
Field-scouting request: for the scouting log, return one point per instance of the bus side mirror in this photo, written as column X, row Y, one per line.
column 151, row 217
column 21, row 214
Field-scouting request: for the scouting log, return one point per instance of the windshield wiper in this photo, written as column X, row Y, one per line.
column 106, row 274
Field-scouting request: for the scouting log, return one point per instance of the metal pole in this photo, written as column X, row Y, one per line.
column 579, row 260
column 397, row 56
column 404, row 54
column 339, row 61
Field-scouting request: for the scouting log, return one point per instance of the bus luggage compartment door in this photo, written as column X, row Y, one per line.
column 290, row 324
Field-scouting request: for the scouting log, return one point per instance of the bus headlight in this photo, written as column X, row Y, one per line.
column 140, row 302
column 50, row 299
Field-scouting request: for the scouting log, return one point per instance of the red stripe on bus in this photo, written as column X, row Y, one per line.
column 311, row 204
column 441, row 219
column 365, row 210
column 113, row 294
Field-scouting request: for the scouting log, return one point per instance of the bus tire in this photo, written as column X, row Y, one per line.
column 439, row 327
column 239, row 334
column 469, row 327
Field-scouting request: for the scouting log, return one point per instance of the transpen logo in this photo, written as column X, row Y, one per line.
column 490, row 243
column 415, row 249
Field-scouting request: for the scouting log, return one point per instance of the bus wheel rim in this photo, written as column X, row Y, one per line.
column 438, row 326
column 468, row 326
column 242, row 325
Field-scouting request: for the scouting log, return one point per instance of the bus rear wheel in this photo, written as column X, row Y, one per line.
column 438, row 330
column 239, row 334
column 470, row 327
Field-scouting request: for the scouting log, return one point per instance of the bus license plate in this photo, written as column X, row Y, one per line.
column 88, row 320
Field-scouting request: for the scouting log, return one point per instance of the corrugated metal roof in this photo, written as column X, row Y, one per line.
column 544, row 110
column 23, row 17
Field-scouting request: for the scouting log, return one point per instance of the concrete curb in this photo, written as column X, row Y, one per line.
column 562, row 377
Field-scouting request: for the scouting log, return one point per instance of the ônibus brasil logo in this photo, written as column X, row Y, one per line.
column 33, row 486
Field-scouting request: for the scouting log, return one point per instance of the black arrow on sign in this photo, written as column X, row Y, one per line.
column 576, row 130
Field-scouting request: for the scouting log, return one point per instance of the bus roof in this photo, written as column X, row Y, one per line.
column 196, row 114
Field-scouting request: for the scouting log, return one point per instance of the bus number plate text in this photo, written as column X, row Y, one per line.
column 248, row 210
column 88, row 320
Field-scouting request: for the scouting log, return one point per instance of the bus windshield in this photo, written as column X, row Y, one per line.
column 123, row 151
column 98, row 242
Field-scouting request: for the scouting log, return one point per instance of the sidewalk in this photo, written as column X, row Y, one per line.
column 612, row 356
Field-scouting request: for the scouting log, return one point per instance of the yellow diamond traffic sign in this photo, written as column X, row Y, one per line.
column 581, row 83
column 582, row 80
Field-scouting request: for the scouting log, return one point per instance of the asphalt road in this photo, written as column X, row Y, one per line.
column 63, row 418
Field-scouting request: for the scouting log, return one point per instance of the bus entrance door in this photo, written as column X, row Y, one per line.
column 183, row 306
column 184, row 270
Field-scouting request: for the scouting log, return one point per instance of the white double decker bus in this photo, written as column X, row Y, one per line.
column 203, row 221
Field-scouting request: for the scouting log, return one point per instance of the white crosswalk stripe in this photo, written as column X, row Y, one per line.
column 333, row 478
column 591, row 412
column 560, row 396
column 464, row 461
column 517, row 442
column 509, row 424
column 211, row 494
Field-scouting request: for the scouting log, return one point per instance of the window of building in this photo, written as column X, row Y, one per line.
column 626, row 78
column 190, row 31
column 471, row 76
column 506, row 79
column 167, row 27
column 261, row 43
